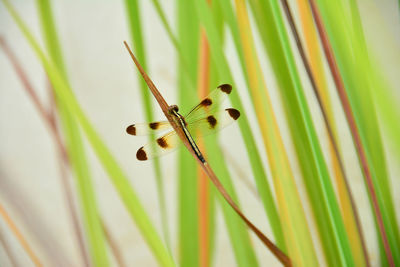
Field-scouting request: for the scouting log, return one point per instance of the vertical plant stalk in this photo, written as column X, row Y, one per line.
column 50, row 120
column 187, row 36
column 203, row 83
column 203, row 183
column 292, row 216
column 74, row 144
column 353, row 127
column 222, row 66
column 314, row 53
column 134, row 19
column 328, row 126
column 240, row 240
column 20, row 237
column 64, row 166
column 206, row 167
column 316, row 177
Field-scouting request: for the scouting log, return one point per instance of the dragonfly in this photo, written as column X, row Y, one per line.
column 204, row 119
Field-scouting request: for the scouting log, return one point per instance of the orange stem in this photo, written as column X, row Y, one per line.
column 20, row 237
column 203, row 187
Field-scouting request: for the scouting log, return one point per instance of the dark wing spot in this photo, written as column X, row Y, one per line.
column 212, row 121
column 234, row 113
column 161, row 142
column 154, row 125
column 226, row 88
column 206, row 102
column 131, row 129
column 141, row 154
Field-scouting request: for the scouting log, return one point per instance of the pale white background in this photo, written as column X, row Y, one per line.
column 104, row 81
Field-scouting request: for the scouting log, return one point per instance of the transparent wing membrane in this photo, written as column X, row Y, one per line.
column 161, row 146
column 204, row 119
column 213, row 122
column 209, row 104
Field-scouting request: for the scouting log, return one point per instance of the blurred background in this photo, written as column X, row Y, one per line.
column 106, row 85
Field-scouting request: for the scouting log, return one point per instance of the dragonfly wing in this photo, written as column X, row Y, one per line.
column 210, row 103
column 213, row 122
column 148, row 128
column 161, row 146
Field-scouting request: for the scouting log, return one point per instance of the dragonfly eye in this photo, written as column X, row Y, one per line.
column 173, row 108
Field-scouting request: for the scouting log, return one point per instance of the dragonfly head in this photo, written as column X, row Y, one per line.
column 172, row 109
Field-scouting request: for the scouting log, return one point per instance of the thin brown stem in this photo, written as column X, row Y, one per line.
column 113, row 245
column 68, row 194
column 328, row 126
column 284, row 259
column 239, row 172
column 353, row 126
column 31, row 92
column 52, row 106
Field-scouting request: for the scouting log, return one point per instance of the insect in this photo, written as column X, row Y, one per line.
column 205, row 118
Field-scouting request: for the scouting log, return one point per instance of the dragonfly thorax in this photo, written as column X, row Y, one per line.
column 179, row 119
column 173, row 108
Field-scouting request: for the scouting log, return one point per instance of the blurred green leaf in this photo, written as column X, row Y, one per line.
column 134, row 21
column 315, row 174
column 188, row 220
column 118, row 178
column 348, row 42
column 75, row 146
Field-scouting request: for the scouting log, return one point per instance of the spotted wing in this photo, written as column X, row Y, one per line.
column 148, row 128
column 209, row 104
column 213, row 122
column 161, row 146
column 205, row 126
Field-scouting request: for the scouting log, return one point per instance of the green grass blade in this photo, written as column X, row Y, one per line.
column 50, row 35
column 188, row 39
column 165, row 23
column 238, row 235
column 134, row 21
column 353, row 61
column 188, row 76
column 75, row 147
column 346, row 198
column 387, row 107
column 313, row 166
column 225, row 76
column 116, row 174
column 222, row 65
column 262, row 185
column 362, row 56
column 94, row 232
